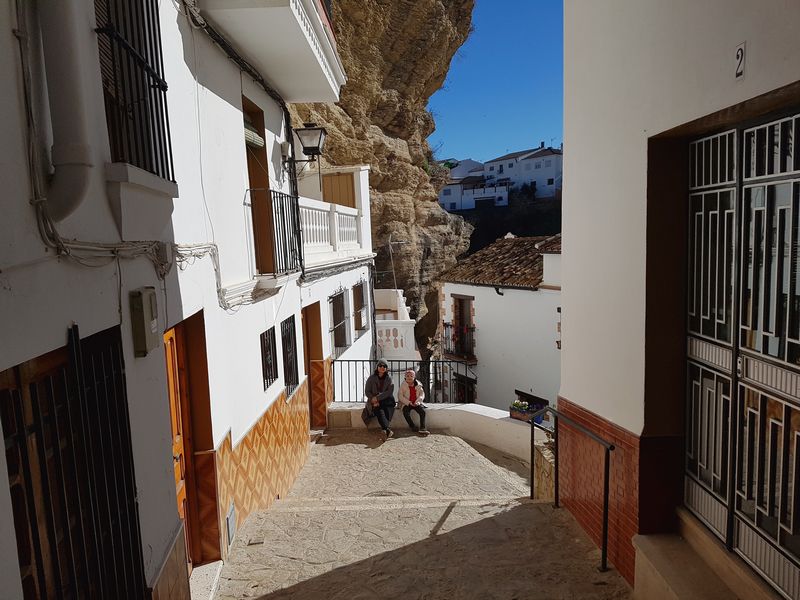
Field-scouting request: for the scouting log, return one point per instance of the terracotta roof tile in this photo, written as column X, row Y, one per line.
column 551, row 245
column 513, row 262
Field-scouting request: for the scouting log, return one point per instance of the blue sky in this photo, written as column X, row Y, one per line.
column 505, row 86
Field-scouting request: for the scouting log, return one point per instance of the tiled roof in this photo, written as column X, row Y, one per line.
column 510, row 262
column 551, row 245
column 512, row 155
column 540, row 152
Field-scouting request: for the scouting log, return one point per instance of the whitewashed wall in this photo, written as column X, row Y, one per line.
column 515, row 342
column 633, row 69
column 41, row 296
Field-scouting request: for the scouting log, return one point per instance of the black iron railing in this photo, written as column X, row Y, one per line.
column 608, row 448
column 289, row 345
column 287, row 244
column 134, row 89
column 443, row 380
column 459, row 340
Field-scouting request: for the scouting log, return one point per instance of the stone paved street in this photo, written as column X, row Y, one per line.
column 412, row 518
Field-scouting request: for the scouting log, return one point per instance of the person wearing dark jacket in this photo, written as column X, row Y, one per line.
column 379, row 390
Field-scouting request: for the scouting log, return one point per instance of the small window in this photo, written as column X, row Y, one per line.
column 360, row 305
column 269, row 357
column 491, row 168
column 339, row 325
column 538, row 164
column 452, row 206
column 510, row 165
column 550, row 181
column 446, row 191
column 548, row 163
column 289, row 341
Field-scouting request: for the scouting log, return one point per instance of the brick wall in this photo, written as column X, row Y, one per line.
column 581, row 482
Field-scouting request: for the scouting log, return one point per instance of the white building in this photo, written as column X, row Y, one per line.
column 467, row 188
column 485, row 185
column 681, row 310
column 500, row 312
column 541, row 166
column 169, row 309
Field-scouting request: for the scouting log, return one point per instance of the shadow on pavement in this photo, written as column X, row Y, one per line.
column 527, row 551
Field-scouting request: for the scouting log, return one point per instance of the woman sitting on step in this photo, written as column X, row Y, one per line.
column 411, row 396
column 379, row 390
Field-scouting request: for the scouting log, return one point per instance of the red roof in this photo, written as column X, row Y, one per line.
column 508, row 262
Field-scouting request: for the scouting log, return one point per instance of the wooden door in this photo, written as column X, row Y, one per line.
column 180, row 451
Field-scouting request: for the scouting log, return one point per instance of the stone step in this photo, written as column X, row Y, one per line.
column 355, row 503
column 668, row 567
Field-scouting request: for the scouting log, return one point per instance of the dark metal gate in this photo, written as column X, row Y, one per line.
column 743, row 345
column 70, row 465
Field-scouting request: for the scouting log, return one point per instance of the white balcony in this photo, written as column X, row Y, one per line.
column 394, row 328
column 289, row 41
column 336, row 229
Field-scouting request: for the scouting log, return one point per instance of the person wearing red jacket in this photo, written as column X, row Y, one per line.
column 411, row 396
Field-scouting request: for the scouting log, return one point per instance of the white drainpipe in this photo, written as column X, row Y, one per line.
column 63, row 28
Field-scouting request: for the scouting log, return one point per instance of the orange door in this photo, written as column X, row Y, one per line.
column 179, row 450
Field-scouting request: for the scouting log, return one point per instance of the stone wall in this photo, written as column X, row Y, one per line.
column 396, row 54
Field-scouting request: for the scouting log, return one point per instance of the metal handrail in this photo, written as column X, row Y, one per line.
column 608, row 446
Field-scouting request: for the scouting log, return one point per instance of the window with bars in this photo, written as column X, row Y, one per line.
column 269, row 357
column 360, row 308
column 134, row 89
column 289, row 343
column 339, row 325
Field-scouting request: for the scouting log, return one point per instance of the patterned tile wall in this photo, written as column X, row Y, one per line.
column 266, row 462
column 205, row 472
column 172, row 582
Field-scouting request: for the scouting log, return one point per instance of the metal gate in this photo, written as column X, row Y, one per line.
column 743, row 345
column 70, row 466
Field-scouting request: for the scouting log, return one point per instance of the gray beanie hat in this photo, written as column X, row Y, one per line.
column 382, row 361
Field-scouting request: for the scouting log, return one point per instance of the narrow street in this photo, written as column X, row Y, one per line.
column 412, row 518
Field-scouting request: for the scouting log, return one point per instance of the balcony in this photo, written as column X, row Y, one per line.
column 335, row 220
column 289, row 41
column 459, row 341
column 394, row 327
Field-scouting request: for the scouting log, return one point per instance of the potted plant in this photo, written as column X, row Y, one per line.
column 519, row 410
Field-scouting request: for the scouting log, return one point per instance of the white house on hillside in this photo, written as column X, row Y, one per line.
column 489, row 184
column 171, row 297
column 500, row 312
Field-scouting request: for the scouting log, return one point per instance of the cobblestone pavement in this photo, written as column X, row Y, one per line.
column 411, row 518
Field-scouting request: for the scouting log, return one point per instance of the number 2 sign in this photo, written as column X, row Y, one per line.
column 739, row 73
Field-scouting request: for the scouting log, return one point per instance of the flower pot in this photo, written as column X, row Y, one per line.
column 522, row 415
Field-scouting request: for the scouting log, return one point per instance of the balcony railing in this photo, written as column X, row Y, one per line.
column 459, row 340
column 330, row 231
column 287, row 252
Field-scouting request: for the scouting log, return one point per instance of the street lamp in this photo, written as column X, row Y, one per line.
column 312, row 138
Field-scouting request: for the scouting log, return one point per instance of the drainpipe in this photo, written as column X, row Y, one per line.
column 63, row 28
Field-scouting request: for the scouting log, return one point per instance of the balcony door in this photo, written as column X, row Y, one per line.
column 742, row 474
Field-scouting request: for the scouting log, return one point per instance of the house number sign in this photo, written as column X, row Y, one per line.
column 740, row 56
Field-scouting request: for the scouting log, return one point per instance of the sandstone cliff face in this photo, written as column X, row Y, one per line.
column 396, row 54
